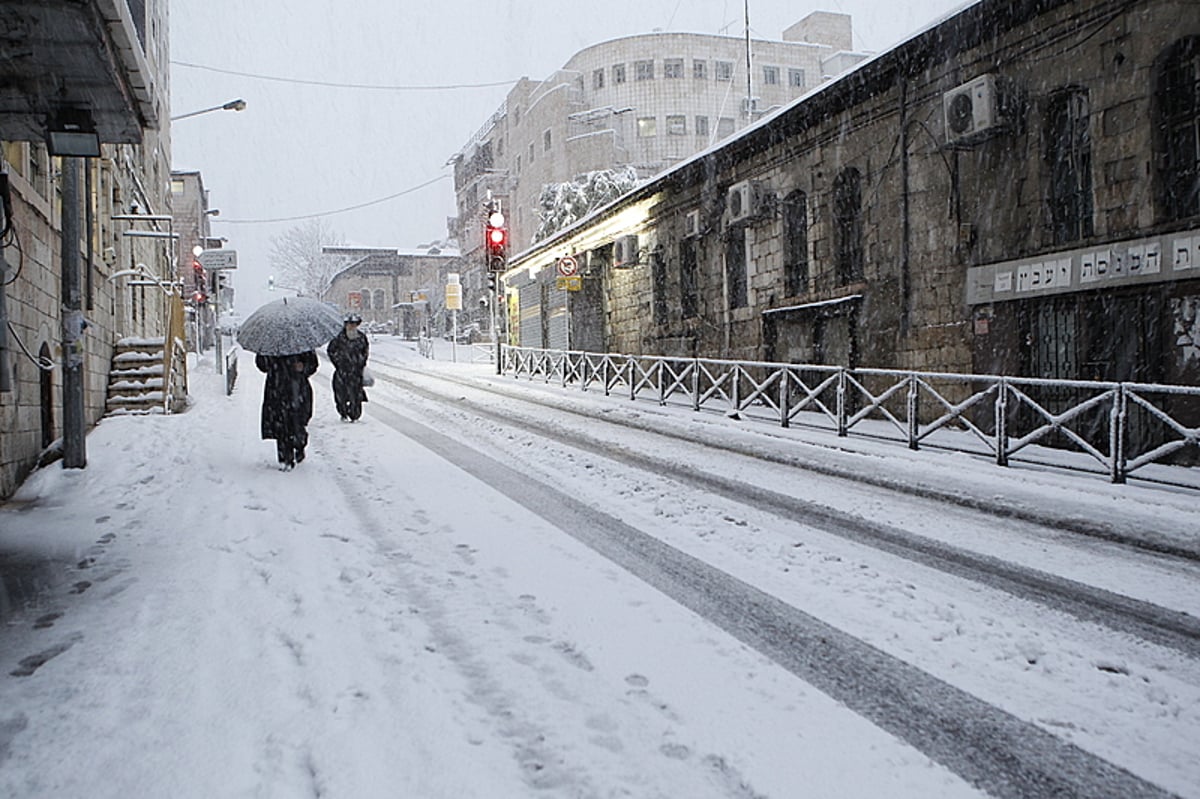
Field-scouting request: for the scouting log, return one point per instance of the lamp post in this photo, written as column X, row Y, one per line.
column 232, row 105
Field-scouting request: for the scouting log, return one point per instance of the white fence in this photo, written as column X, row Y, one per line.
column 1123, row 427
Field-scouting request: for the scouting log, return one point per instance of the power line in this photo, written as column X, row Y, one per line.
column 337, row 211
column 370, row 86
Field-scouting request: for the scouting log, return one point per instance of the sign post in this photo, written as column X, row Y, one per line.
column 218, row 261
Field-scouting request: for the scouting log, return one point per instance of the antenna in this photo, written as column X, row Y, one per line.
column 749, row 93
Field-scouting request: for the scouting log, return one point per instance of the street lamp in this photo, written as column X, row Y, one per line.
column 232, row 105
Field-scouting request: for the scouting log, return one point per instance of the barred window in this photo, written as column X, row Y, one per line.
column 848, row 225
column 1177, row 126
column 795, row 242
column 1068, row 158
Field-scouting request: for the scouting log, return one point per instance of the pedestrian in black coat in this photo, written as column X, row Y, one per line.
column 348, row 353
column 287, row 403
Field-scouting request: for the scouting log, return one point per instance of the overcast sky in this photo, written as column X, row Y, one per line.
column 302, row 149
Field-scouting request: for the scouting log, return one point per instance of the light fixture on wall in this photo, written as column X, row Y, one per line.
column 71, row 132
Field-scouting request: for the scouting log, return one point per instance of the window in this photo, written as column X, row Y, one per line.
column 1177, row 122
column 722, row 70
column 618, row 73
column 771, row 76
column 689, row 279
column 676, row 125
column 643, row 70
column 795, row 243
column 796, row 78
column 366, row 299
column 518, row 164
column 724, row 127
column 177, row 187
column 847, row 226
column 647, row 127
column 546, row 140
column 1068, row 158
column 598, row 78
column 531, row 153
column 701, row 126
column 380, row 299
column 735, row 267
column 700, row 69
column 673, row 68
column 658, row 276
column 516, row 115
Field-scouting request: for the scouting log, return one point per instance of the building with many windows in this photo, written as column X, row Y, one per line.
column 84, row 130
column 645, row 101
column 1014, row 190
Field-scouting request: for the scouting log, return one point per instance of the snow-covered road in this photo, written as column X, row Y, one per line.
column 389, row 620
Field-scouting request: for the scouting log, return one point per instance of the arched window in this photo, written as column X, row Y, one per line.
column 795, row 243
column 366, row 299
column 847, row 225
column 1177, row 130
column 1067, row 150
column 380, row 300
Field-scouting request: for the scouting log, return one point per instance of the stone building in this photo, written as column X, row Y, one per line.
column 395, row 291
column 645, row 101
column 107, row 90
column 1013, row 190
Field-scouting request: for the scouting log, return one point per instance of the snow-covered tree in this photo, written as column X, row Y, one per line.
column 297, row 260
column 562, row 204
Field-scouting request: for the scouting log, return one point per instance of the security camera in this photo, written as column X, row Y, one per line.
column 483, row 302
column 110, row 255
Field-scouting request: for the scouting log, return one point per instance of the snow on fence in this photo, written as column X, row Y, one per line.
column 1120, row 427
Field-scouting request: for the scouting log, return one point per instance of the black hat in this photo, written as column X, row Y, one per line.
column 353, row 318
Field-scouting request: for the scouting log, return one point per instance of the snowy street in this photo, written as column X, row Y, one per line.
column 491, row 588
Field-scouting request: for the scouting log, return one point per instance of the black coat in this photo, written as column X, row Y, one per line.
column 287, row 397
column 349, row 357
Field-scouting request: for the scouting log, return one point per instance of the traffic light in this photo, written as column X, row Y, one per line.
column 496, row 242
column 491, row 280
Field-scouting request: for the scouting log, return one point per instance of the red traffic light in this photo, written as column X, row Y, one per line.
column 199, row 297
column 496, row 237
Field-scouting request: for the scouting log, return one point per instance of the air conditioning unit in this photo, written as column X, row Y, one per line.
column 691, row 224
column 625, row 252
column 972, row 110
column 746, row 201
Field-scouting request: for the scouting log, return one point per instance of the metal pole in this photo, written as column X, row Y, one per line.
column 217, row 323
column 74, row 447
column 495, row 298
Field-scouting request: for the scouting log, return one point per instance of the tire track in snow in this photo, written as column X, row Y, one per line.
column 983, row 744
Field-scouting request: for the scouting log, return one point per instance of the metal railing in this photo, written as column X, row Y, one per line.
column 1120, row 427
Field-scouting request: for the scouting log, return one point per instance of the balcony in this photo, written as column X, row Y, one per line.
column 67, row 55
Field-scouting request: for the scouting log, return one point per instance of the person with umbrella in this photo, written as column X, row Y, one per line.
column 287, row 403
column 348, row 353
column 285, row 334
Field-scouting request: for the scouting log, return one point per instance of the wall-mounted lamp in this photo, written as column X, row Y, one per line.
column 71, row 132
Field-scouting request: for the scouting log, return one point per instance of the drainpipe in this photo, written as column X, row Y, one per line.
column 905, row 220
column 5, row 229
column 5, row 379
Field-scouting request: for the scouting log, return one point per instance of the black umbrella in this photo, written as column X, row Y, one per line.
column 289, row 326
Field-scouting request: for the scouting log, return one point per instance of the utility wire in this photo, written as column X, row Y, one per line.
column 336, row 211
column 370, row 86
